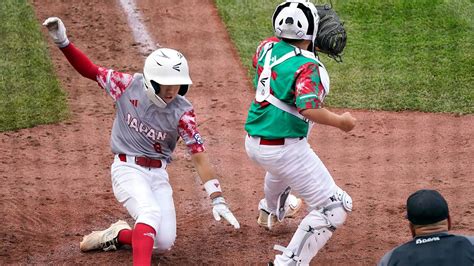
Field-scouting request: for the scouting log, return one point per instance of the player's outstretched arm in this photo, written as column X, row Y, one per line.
column 213, row 188
column 76, row 57
column 345, row 122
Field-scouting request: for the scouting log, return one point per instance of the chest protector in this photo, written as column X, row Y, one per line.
column 263, row 92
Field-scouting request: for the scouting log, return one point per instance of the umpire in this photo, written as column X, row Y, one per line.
column 429, row 218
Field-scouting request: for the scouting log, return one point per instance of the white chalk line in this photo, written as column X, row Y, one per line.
column 139, row 30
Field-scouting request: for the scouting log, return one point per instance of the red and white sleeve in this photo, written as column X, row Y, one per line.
column 188, row 131
column 113, row 82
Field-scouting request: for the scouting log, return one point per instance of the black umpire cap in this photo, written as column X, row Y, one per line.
column 426, row 207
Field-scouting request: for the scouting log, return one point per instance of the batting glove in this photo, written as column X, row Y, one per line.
column 220, row 208
column 57, row 31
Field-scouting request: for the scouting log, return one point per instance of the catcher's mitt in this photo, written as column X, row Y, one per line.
column 331, row 36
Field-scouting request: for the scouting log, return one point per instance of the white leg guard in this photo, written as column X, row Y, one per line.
column 314, row 231
column 311, row 235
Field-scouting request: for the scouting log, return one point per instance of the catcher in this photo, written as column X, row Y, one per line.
column 151, row 115
column 291, row 84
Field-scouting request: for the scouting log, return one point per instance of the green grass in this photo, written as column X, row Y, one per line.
column 30, row 93
column 400, row 54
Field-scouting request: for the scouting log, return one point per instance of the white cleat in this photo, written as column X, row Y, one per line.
column 294, row 204
column 106, row 239
column 267, row 220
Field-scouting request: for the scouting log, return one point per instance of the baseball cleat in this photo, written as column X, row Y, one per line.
column 294, row 204
column 267, row 220
column 106, row 239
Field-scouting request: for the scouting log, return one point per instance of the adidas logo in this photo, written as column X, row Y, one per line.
column 427, row 240
column 134, row 102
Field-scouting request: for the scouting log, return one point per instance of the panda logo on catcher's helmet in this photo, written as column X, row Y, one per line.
column 165, row 66
column 296, row 20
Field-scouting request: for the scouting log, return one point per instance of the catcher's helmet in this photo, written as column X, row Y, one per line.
column 297, row 20
column 166, row 67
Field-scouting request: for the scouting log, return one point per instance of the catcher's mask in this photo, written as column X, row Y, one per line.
column 296, row 20
column 166, row 67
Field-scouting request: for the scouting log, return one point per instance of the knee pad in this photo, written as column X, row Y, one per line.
column 149, row 215
column 336, row 211
column 344, row 197
column 336, row 217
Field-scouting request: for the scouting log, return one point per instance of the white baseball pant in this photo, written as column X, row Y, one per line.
column 293, row 164
column 296, row 165
column 148, row 197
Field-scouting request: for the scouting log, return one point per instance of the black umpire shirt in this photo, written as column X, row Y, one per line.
column 435, row 249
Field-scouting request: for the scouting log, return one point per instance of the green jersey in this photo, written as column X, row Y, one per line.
column 296, row 82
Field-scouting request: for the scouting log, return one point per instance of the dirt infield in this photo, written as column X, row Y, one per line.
column 56, row 180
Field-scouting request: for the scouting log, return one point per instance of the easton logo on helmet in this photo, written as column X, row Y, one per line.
column 176, row 67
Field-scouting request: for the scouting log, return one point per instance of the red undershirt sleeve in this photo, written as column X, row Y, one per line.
column 80, row 62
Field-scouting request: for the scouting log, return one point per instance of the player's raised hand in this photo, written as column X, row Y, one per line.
column 220, row 209
column 57, row 31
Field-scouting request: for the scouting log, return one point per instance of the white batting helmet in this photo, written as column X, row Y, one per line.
column 296, row 20
column 165, row 66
